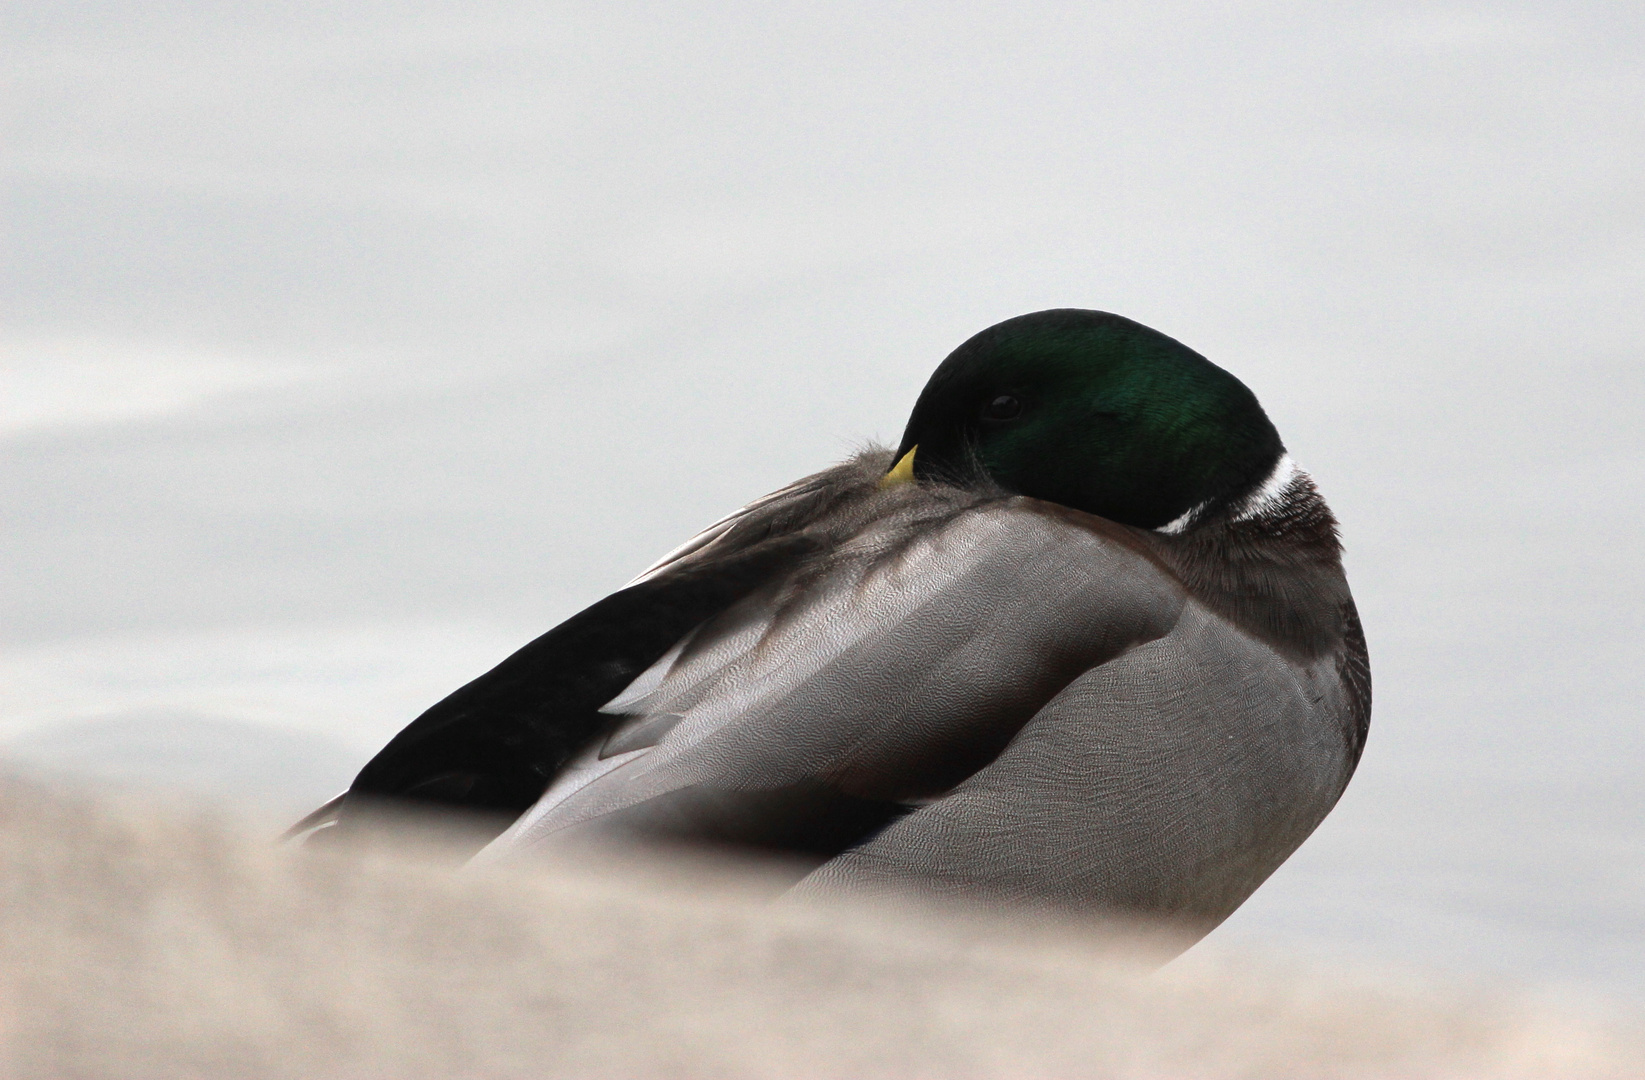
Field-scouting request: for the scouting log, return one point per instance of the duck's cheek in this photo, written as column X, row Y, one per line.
column 948, row 458
column 1023, row 468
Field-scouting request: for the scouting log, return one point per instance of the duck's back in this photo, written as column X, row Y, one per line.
column 987, row 695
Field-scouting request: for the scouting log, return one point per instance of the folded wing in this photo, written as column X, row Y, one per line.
column 824, row 705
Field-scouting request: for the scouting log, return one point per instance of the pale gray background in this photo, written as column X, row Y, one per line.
column 346, row 347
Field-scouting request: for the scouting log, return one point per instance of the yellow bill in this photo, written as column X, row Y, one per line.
column 901, row 473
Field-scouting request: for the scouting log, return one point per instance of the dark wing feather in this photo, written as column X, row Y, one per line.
column 494, row 744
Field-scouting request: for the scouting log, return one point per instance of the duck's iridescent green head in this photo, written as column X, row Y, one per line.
column 1095, row 412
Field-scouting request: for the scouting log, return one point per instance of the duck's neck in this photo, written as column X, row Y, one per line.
column 1274, row 495
column 1266, row 499
column 1269, row 562
column 1288, row 505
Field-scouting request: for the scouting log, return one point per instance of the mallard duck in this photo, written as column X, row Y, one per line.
column 1082, row 641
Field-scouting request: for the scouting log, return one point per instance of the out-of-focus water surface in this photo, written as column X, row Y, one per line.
column 341, row 352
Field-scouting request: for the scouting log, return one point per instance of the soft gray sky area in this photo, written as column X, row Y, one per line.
column 344, row 348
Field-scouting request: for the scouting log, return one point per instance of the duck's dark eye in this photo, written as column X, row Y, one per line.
column 1004, row 407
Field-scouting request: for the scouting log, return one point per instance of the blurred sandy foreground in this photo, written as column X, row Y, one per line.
column 144, row 941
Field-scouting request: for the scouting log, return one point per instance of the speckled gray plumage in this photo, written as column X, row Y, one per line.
column 1064, row 711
